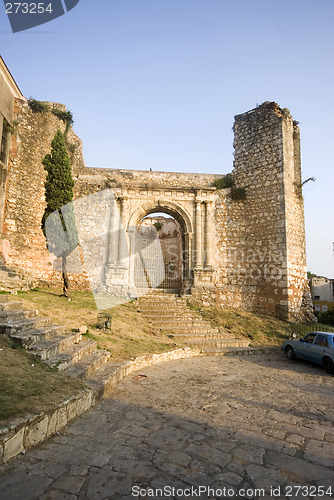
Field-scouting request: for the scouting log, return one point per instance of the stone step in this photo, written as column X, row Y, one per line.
column 13, row 284
column 164, row 308
column 10, row 305
column 231, row 350
column 10, row 328
column 159, row 296
column 46, row 349
column 26, row 339
column 184, row 330
column 161, row 302
column 157, row 291
column 189, row 337
column 165, row 313
column 68, row 357
column 7, row 273
column 160, row 313
column 103, row 380
column 179, row 322
column 207, row 344
column 12, row 316
column 86, row 367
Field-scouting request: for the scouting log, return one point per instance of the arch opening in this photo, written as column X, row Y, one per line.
column 170, row 230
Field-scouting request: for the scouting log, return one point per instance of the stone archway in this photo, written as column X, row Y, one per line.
column 175, row 243
column 168, row 232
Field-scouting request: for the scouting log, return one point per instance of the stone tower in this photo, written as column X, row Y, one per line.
column 267, row 164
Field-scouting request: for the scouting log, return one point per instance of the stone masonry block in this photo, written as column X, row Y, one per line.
column 14, row 445
column 52, row 427
column 36, row 432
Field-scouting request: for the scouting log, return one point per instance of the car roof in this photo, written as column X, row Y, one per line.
column 324, row 333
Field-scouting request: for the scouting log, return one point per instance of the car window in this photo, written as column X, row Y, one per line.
column 325, row 344
column 310, row 338
column 320, row 339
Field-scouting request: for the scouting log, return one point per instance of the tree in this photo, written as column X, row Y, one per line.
column 58, row 221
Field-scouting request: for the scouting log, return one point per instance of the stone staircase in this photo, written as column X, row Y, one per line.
column 11, row 281
column 77, row 356
column 170, row 313
column 69, row 353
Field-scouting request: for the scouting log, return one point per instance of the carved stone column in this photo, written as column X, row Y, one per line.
column 123, row 247
column 199, row 258
column 187, row 262
column 112, row 244
column 209, row 233
column 132, row 290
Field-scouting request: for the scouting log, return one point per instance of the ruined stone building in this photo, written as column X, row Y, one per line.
column 241, row 246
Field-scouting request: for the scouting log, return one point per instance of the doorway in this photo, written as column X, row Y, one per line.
column 167, row 253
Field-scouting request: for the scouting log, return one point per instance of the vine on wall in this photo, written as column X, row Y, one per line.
column 237, row 194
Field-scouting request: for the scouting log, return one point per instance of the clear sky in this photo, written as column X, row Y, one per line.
column 156, row 84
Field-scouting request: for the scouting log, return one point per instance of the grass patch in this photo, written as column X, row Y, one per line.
column 260, row 330
column 28, row 386
column 130, row 334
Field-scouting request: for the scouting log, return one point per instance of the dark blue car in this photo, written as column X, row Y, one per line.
column 317, row 347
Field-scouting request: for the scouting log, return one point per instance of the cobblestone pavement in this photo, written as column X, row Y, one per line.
column 238, row 427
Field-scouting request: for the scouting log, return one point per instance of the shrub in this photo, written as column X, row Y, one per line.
column 238, row 194
column 8, row 127
column 37, row 106
column 66, row 116
column 224, row 182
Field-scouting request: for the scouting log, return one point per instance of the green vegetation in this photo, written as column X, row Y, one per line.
column 28, row 386
column 41, row 107
column 129, row 334
column 61, row 238
column 37, row 106
column 326, row 318
column 261, row 330
column 65, row 116
column 224, row 182
column 311, row 275
column 237, row 194
column 8, row 127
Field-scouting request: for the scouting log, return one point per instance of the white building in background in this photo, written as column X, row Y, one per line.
column 322, row 293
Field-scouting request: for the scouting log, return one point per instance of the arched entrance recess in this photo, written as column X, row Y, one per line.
column 183, row 221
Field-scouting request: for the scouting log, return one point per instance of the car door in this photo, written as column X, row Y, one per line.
column 304, row 347
column 318, row 349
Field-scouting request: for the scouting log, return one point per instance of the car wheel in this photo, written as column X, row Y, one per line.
column 290, row 353
column 328, row 365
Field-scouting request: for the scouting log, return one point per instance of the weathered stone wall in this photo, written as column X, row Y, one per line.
column 246, row 254
column 23, row 242
column 267, row 165
column 260, row 242
column 7, row 97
